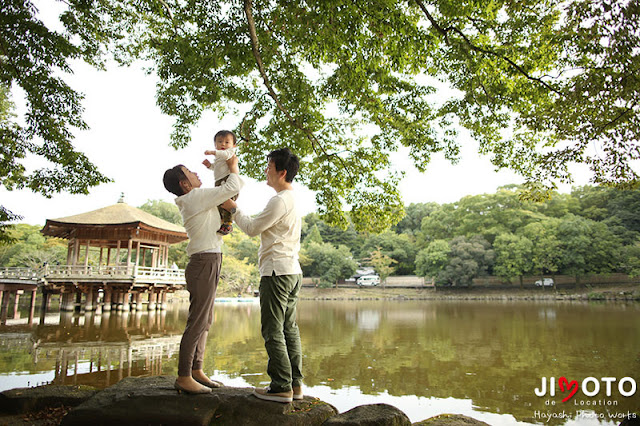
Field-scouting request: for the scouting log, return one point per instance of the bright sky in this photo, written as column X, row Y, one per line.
column 128, row 140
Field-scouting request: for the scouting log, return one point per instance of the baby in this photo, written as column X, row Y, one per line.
column 225, row 142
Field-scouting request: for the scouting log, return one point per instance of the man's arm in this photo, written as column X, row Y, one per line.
column 208, row 198
column 272, row 213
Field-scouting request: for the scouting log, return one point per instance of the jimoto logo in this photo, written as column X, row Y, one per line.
column 589, row 387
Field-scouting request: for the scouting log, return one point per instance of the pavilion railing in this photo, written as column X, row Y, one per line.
column 169, row 274
column 19, row 273
column 90, row 271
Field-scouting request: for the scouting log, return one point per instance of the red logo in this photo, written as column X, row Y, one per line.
column 566, row 385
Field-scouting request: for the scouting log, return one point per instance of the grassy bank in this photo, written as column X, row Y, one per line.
column 627, row 292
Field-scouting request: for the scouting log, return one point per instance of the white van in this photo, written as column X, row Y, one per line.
column 368, row 280
column 546, row 282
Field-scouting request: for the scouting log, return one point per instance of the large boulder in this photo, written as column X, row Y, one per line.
column 451, row 420
column 153, row 400
column 26, row 400
column 370, row 415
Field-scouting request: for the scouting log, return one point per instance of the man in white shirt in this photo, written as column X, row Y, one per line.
column 199, row 209
column 279, row 227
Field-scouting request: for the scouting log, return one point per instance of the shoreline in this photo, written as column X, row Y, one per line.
column 626, row 292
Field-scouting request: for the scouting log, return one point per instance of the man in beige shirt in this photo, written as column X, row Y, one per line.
column 279, row 227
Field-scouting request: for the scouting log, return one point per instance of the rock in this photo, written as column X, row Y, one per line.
column 24, row 400
column 153, row 400
column 451, row 420
column 370, row 415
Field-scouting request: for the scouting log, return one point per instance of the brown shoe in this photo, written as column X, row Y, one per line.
column 200, row 391
column 213, row 384
column 267, row 395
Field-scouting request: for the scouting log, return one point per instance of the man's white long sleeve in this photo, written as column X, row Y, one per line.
column 279, row 227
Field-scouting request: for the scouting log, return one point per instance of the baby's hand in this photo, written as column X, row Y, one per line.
column 209, row 152
column 206, row 163
column 229, row 204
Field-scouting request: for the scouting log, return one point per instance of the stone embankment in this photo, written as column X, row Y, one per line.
column 153, row 401
column 624, row 293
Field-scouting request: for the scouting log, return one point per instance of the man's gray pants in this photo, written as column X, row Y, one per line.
column 278, row 302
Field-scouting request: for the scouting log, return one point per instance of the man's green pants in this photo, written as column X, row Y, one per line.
column 278, row 301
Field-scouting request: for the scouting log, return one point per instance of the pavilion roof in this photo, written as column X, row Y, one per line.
column 120, row 214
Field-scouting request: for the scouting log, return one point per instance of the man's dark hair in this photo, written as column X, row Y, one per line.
column 284, row 159
column 223, row 133
column 172, row 178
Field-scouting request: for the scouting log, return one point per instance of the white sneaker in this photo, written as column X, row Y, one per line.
column 267, row 395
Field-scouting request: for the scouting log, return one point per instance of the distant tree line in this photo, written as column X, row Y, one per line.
column 592, row 230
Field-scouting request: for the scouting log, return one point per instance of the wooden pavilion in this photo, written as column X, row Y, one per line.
column 119, row 252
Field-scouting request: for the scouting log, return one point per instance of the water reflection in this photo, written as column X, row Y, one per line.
column 477, row 358
column 92, row 349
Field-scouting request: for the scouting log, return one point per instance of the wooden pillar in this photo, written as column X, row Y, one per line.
column 108, row 256
column 69, row 252
column 86, row 254
column 117, row 299
column 163, row 300
column 106, row 303
column 16, row 301
column 117, row 262
column 45, row 304
column 32, row 306
column 129, row 248
column 151, row 306
column 5, row 307
column 154, row 258
column 126, row 307
column 88, row 302
column 137, row 301
column 165, row 262
column 159, row 298
column 66, row 302
column 76, row 249
column 100, row 258
column 77, row 306
column 133, row 304
column 138, row 253
column 94, row 301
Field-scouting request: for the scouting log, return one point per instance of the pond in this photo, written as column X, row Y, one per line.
column 512, row 362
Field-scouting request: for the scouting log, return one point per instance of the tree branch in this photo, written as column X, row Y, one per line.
column 255, row 47
column 166, row 6
column 445, row 34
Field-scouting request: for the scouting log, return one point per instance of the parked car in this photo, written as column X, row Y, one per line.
column 547, row 282
column 368, row 280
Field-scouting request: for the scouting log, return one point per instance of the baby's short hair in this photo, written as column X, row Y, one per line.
column 223, row 133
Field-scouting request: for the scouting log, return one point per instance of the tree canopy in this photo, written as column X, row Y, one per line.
column 540, row 85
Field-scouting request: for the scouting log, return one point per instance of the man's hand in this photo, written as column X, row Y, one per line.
column 206, row 163
column 233, row 164
column 228, row 205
